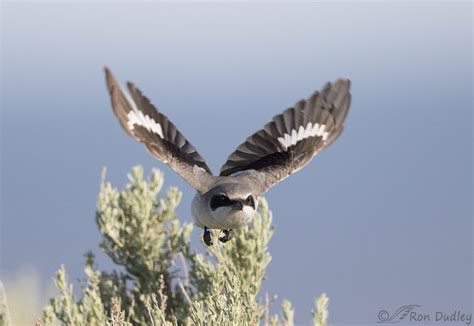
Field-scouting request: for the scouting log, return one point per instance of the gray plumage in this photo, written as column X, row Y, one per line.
column 280, row 148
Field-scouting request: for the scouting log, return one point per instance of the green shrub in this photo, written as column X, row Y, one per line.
column 4, row 313
column 161, row 279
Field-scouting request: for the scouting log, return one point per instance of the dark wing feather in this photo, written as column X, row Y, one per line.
column 292, row 138
column 141, row 120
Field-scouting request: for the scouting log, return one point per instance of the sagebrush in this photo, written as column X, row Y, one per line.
column 160, row 279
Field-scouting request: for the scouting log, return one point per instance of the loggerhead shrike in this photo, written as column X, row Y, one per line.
column 282, row 147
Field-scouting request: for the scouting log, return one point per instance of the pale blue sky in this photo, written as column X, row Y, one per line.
column 381, row 219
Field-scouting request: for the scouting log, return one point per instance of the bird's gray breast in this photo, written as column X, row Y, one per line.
column 199, row 210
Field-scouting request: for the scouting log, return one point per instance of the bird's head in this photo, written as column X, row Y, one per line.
column 236, row 196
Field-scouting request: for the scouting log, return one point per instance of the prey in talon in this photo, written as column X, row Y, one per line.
column 283, row 146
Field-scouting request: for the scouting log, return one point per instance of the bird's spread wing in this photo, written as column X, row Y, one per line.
column 292, row 138
column 141, row 120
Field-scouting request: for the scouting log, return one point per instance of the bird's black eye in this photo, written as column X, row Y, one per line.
column 249, row 201
column 219, row 201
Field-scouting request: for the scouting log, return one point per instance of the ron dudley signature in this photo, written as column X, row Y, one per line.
column 414, row 313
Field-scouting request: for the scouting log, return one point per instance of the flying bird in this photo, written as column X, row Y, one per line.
column 283, row 146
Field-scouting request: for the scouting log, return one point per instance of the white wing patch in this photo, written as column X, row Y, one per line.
column 138, row 118
column 302, row 133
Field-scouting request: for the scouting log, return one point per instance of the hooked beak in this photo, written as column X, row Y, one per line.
column 238, row 206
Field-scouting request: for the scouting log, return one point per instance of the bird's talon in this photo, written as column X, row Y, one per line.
column 228, row 235
column 207, row 237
